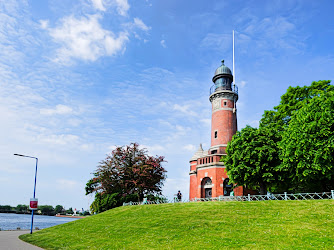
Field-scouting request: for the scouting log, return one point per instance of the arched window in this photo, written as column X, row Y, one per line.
column 207, row 181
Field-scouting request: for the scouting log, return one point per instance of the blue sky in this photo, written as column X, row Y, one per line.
column 79, row 77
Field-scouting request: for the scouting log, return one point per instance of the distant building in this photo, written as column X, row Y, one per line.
column 208, row 177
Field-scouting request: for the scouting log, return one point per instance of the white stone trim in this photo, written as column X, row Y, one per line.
column 229, row 109
column 209, row 167
column 224, row 94
column 217, row 146
column 216, row 104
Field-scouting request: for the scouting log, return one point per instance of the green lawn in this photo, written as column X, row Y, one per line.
column 201, row 225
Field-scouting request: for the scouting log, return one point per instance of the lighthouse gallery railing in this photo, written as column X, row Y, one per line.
column 221, row 87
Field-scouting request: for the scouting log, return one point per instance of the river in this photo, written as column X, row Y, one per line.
column 13, row 221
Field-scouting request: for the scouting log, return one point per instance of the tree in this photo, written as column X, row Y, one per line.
column 69, row 211
column 22, row 208
column 104, row 201
column 59, row 209
column 293, row 100
column 127, row 172
column 252, row 158
column 282, row 117
column 294, row 137
column 46, row 210
column 308, row 144
column 5, row 208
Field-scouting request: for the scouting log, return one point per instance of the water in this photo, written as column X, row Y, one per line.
column 13, row 221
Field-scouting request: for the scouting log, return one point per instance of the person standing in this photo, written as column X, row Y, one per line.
column 179, row 196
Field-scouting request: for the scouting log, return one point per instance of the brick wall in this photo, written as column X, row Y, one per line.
column 224, row 123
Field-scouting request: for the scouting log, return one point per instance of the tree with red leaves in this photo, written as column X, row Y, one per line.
column 126, row 173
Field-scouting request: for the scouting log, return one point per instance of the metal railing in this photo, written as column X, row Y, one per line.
column 269, row 196
column 219, row 87
column 132, row 203
column 285, row 196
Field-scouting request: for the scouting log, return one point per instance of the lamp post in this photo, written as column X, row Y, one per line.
column 32, row 211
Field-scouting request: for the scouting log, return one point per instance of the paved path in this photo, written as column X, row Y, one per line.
column 9, row 240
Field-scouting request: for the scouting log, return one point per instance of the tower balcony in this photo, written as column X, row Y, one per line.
column 222, row 87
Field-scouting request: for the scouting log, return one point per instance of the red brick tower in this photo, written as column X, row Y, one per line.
column 208, row 177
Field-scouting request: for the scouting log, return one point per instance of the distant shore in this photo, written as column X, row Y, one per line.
column 70, row 216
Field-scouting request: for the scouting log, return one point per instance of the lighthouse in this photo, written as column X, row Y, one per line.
column 208, row 177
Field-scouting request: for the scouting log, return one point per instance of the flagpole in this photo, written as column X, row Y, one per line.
column 234, row 86
column 233, row 62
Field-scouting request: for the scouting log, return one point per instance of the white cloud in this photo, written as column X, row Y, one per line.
column 74, row 122
column 182, row 130
column 140, row 24
column 184, row 109
column 98, row 4
column 122, row 6
column 271, row 33
column 154, row 149
column 58, row 110
column 207, row 122
column 87, row 147
column 271, row 27
column 163, row 43
column 63, row 139
column 220, row 42
column 65, row 184
column 243, row 84
column 190, row 147
column 111, row 148
column 11, row 169
column 85, row 39
column 44, row 24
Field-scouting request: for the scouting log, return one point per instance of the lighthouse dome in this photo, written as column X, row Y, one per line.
column 223, row 70
column 223, row 73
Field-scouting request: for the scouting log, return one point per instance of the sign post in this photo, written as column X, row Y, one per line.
column 33, row 201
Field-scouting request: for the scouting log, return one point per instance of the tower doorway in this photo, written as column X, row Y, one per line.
column 206, row 187
column 227, row 187
column 208, row 192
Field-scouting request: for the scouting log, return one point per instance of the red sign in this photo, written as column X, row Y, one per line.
column 33, row 204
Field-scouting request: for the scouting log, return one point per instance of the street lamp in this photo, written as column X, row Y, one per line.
column 32, row 211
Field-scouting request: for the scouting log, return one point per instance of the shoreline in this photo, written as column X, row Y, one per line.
column 70, row 216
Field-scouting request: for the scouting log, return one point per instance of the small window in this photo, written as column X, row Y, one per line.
column 216, row 134
column 225, row 103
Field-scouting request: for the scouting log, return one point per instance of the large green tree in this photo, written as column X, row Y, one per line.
column 282, row 117
column 307, row 146
column 252, row 158
column 284, row 153
column 127, row 173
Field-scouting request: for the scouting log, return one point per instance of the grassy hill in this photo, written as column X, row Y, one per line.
column 201, row 225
